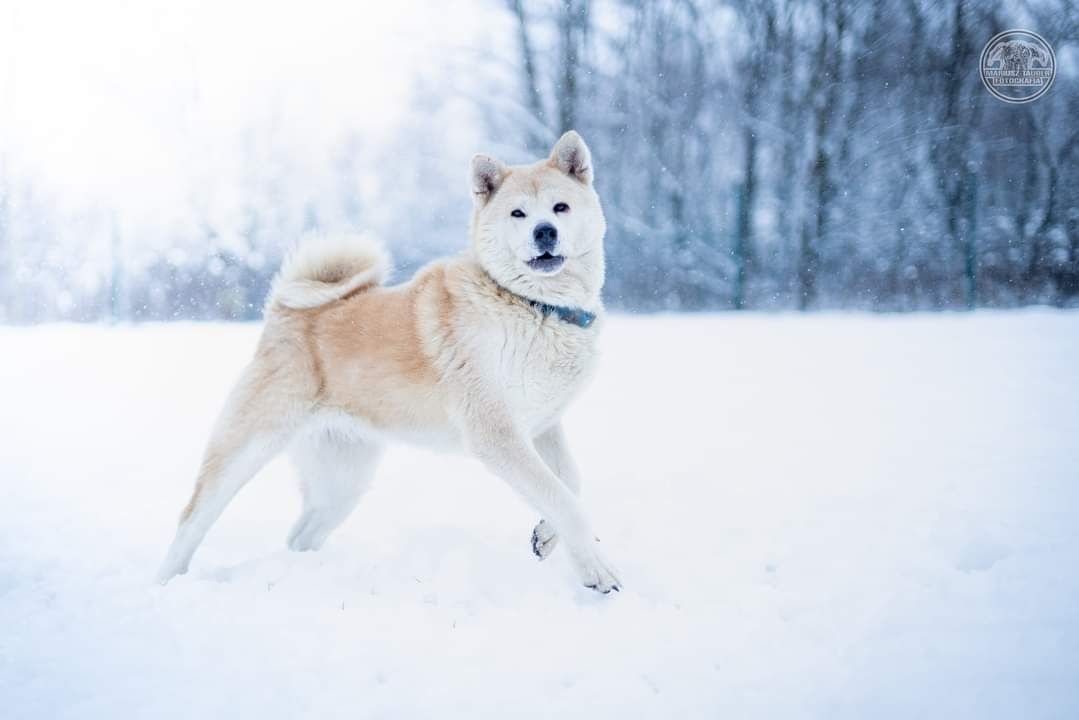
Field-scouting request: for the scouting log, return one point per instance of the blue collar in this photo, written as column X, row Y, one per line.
column 574, row 316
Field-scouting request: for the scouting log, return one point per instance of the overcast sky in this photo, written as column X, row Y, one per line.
column 112, row 99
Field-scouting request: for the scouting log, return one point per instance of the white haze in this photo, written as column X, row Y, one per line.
column 152, row 113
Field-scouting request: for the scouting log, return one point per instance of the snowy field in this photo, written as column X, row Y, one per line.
column 834, row 516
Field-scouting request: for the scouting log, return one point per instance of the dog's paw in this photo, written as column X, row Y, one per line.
column 544, row 539
column 597, row 573
column 169, row 569
column 307, row 534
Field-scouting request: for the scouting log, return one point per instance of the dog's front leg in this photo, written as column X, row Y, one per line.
column 507, row 452
column 552, row 447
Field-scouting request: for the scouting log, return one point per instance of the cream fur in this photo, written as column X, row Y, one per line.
column 324, row 268
column 455, row 358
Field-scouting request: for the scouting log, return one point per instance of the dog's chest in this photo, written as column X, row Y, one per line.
column 541, row 367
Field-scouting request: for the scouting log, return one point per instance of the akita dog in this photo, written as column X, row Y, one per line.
column 483, row 352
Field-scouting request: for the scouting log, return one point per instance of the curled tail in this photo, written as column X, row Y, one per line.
column 325, row 268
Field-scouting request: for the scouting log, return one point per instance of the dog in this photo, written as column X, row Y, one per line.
column 481, row 352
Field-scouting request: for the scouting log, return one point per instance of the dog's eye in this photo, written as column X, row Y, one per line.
column 561, row 207
column 517, row 213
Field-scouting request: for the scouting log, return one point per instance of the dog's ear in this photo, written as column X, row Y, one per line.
column 572, row 156
column 486, row 175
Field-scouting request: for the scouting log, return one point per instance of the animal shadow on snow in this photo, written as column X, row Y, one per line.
column 456, row 563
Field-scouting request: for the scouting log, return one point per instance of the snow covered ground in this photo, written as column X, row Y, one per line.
column 838, row 516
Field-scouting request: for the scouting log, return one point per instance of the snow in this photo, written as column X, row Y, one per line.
column 840, row 516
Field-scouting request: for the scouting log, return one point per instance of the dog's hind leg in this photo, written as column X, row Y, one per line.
column 335, row 469
column 255, row 425
column 551, row 446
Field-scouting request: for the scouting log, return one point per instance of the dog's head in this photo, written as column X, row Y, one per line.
column 538, row 229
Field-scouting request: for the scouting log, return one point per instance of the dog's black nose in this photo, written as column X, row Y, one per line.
column 546, row 236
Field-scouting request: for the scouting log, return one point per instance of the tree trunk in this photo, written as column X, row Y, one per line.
column 533, row 100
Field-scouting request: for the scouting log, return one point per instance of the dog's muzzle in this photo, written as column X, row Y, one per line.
column 547, row 263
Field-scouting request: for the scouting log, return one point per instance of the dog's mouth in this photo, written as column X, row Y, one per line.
column 547, row 263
